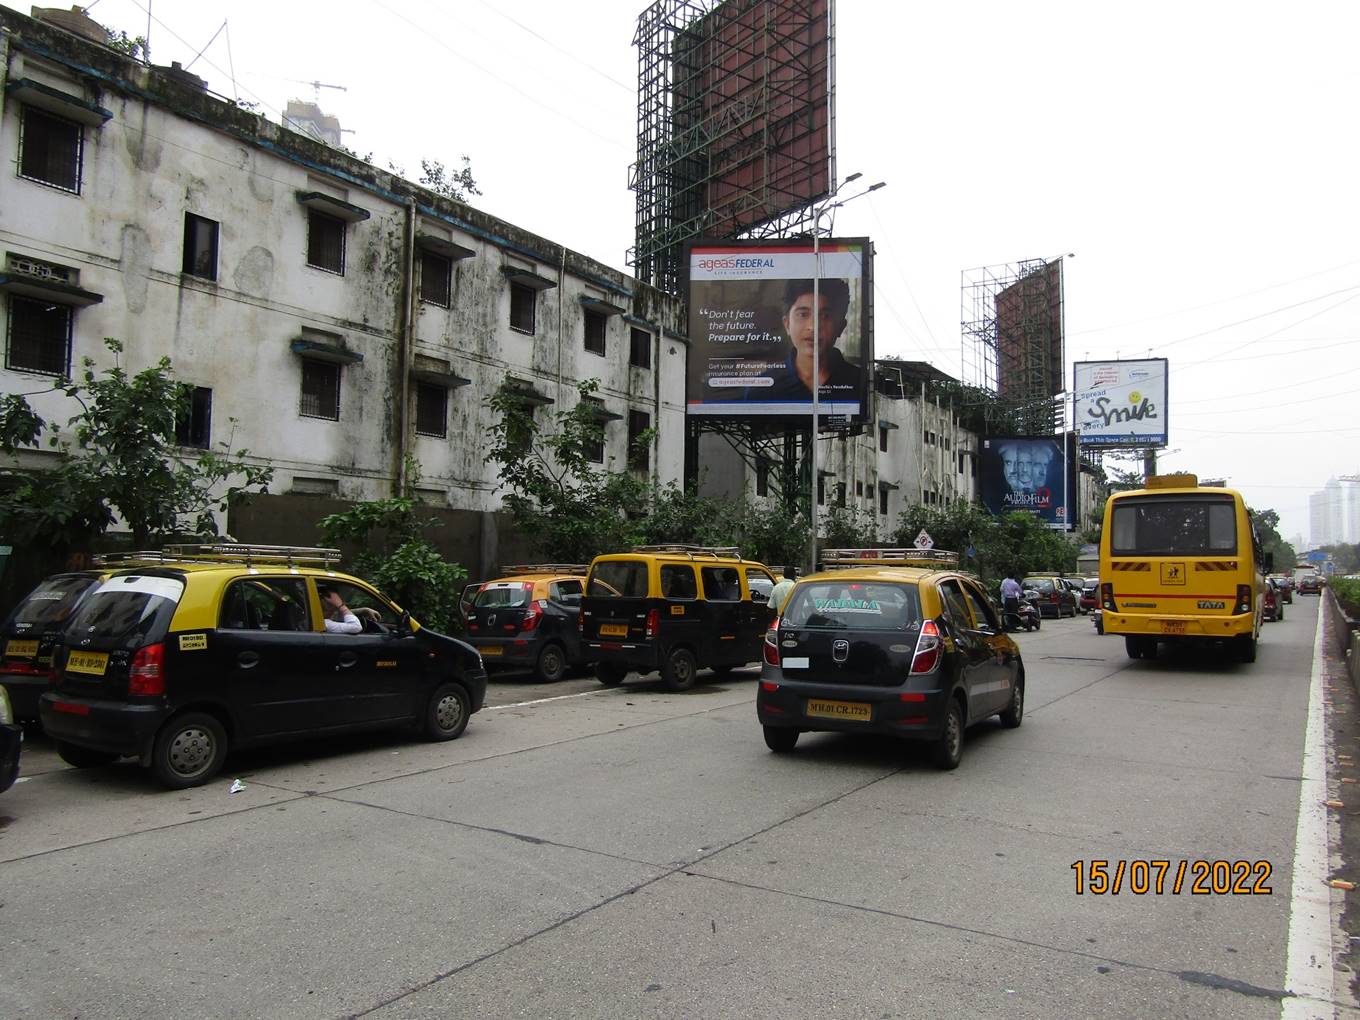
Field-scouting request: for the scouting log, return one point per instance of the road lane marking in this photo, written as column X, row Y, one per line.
column 544, row 701
column 1308, row 970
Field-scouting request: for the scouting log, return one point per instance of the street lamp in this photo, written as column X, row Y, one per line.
column 829, row 204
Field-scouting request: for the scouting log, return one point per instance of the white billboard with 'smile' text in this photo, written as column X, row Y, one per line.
column 1120, row 403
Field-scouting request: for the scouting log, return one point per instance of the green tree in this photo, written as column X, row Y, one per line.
column 458, row 185
column 1272, row 544
column 117, row 456
column 1016, row 542
column 397, row 557
column 573, row 509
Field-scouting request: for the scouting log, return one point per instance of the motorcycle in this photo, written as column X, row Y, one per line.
column 1026, row 615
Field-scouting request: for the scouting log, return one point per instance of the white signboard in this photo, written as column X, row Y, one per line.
column 1120, row 403
column 924, row 541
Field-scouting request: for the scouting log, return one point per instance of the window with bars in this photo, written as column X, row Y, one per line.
column 432, row 410
column 50, row 149
column 882, row 500
column 640, row 349
column 436, row 279
column 200, row 246
column 639, row 453
column 882, row 439
column 523, row 303
column 595, row 330
column 320, row 389
column 39, row 336
column 193, row 423
column 325, row 242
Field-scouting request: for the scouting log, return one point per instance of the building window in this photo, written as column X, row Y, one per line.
column 640, row 349
column 39, row 336
column 961, row 467
column 200, row 246
column 436, row 279
column 523, row 302
column 883, row 501
column 859, row 490
column 320, row 389
column 639, row 455
column 595, row 327
column 882, row 439
column 762, row 477
column 592, row 445
column 821, row 490
column 840, row 494
column 325, row 242
column 50, row 150
column 432, row 410
column 193, row 423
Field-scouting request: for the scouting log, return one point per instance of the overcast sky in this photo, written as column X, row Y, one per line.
column 1199, row 160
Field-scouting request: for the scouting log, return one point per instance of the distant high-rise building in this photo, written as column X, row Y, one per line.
column 1334, row 512
column 307, row 119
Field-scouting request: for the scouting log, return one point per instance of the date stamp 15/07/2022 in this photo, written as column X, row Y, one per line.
column 1158, row 877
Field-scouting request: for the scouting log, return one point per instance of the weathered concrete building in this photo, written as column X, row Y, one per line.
column 334, row 318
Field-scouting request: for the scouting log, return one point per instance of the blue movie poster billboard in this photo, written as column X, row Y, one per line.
column 1025, row 474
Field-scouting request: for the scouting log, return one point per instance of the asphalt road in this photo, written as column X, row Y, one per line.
column 632, row 853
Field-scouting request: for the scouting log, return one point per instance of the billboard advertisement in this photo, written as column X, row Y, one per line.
column 1120, row 403
column 751, row 327
column 1025, row 474
column 1029, row 335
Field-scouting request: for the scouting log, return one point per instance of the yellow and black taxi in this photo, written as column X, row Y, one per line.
column 30, row 632
column 889, row 641
column 674, row 608
column 527, row 618
column 227, row 646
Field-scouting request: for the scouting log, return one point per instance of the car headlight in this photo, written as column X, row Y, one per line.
column 6, row 713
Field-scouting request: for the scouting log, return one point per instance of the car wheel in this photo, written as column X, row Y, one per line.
column 189, row 750
column 1015, row 713
column 948, row 748
column 780, row 739
column 1279, row 614
column 448, row 711
column 84, row 757
column 552, row 664
column 1246, row 649
column 610, row 674
column 679, row 670
column 1038, row 622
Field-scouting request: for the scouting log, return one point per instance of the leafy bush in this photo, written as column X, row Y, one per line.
column 1347, row 591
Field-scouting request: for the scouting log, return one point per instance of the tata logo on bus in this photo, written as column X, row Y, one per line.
column 1206, row 604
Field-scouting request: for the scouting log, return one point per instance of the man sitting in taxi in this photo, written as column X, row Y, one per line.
column 339, row 618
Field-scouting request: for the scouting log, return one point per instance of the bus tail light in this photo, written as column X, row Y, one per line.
column 1107, row 596
column 928, row 648
column 772, row 643
column 1243, row 599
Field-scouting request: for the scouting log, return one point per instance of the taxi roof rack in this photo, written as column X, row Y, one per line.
column 839, row 559
column 129, row 556
column 681, row 548
column 250, row 555
column 510, row 569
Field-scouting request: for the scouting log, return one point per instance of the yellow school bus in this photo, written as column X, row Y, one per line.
column 1181, row 562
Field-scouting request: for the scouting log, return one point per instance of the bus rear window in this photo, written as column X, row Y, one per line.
column 1186, row 526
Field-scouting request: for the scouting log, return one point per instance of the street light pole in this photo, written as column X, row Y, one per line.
column 828, row 204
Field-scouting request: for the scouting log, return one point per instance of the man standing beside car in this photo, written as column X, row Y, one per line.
column 1010, row 602
column 780, row 595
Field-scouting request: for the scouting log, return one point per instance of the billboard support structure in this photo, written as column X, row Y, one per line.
column 1012, row 319
column 735, row 124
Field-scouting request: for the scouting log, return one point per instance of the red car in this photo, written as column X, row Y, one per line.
column 1089, row 599
column 1310, row 585
column 1272, row 601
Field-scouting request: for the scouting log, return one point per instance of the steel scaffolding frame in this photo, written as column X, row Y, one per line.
column 715, row 96
column 1026, row 383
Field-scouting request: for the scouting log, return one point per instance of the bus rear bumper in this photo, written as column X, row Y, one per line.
column 1170, row 625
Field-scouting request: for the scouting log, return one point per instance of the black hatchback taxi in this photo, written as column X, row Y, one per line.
column 889, row 641
column 176, row 664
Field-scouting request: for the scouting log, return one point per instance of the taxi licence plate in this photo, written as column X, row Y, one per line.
column 1173, row 626
column 21, row 649
column 93, row 663
column 491, row 650
column 613, row 630
column 858, row 711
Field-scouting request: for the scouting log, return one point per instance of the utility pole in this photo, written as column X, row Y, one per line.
column 1149, row 463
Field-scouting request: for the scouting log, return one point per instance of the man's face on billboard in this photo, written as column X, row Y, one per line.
column 1025, row 466
column 798, row 322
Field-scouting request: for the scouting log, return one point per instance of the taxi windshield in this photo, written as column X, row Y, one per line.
column 853, row 605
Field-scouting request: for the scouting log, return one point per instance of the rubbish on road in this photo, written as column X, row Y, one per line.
column 1341, row 883
column 237, row 786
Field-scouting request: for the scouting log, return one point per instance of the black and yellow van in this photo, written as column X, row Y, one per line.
column 674, row 608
